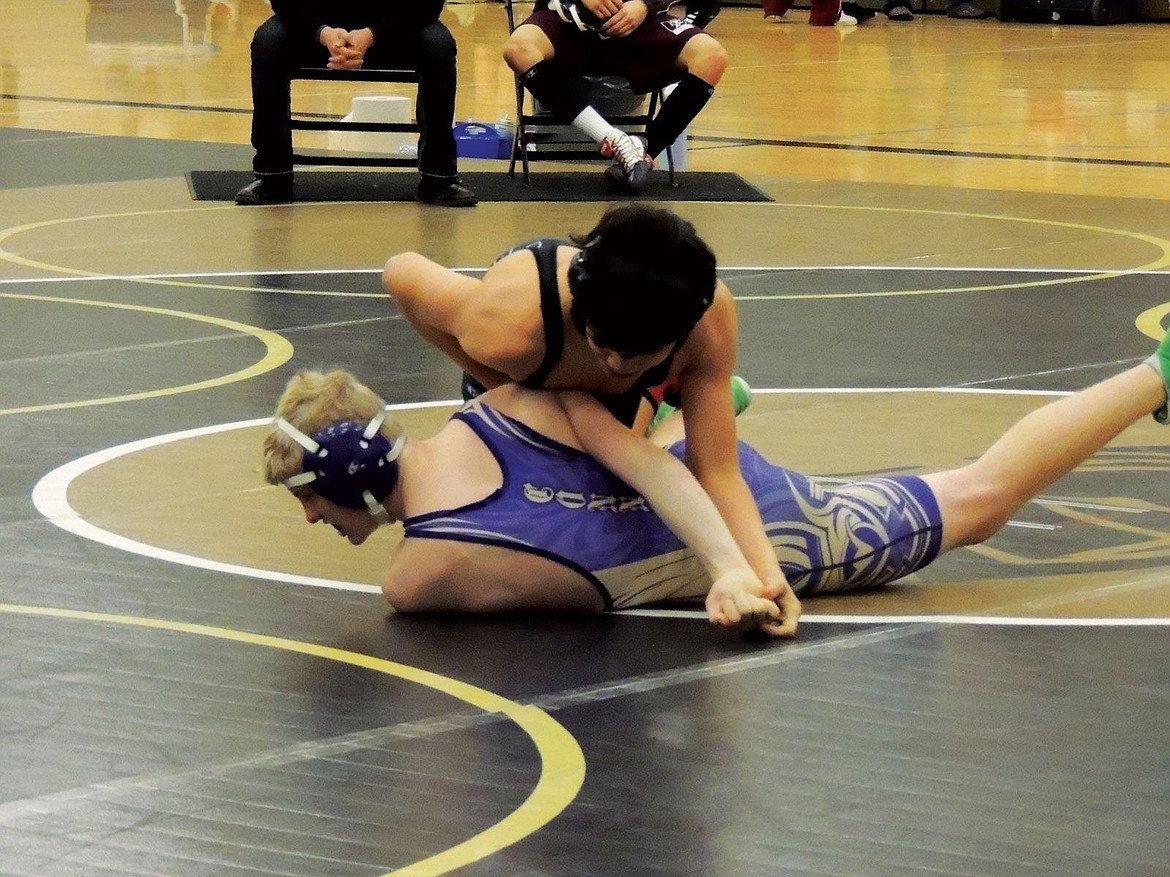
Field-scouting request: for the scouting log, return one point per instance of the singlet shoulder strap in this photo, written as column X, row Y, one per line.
column 550, row 311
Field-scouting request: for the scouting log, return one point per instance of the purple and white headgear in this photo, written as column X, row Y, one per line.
column 346, row 463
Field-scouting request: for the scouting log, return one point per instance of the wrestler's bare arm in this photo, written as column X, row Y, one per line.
column 434, row 575
column 737, row 596
column 465, row 317
column 705, row 365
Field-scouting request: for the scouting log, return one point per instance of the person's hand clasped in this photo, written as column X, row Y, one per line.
column 347, row 49
column 603, row 9
column 360, row 40
column 784, row 597
column 741, row 600
column 626, row 20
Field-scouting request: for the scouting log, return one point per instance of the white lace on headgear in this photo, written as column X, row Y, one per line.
column 352, row 465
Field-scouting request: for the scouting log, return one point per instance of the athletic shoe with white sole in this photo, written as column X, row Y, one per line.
column 630, row 155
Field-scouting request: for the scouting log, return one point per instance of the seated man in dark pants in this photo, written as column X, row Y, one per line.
column 638, row 39
column 349, row 35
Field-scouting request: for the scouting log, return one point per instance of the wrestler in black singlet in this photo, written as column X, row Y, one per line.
column 624, row 406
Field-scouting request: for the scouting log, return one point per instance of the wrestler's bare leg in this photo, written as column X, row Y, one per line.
column 976, row 500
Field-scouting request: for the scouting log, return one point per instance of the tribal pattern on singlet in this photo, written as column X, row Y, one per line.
column 558, row 502
column 624, row 405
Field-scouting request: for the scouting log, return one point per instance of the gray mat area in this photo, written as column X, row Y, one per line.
column 34, row 158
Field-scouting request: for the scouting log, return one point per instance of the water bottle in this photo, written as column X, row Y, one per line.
column 506, row 126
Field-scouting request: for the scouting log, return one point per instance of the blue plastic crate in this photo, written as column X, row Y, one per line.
column 481, row 140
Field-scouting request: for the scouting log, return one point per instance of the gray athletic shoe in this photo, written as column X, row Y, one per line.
column 630, row 155
column 967, row 9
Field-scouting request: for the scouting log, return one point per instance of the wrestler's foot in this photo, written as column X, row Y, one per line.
column 630, row 155
column 741, row 395
column 663, row 411
column 1160, row 362
column 741, row 400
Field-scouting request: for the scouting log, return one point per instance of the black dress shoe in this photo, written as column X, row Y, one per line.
column 861, row 13
column 445, row 193
column 267, row 190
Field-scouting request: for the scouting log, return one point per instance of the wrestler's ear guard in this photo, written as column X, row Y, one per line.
column 581, row 286
column 352, row 465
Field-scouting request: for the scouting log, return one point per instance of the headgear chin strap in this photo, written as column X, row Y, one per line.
column 346, row 463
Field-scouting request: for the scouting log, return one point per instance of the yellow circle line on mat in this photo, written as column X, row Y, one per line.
column 9, row 256
column 562, row 763
column 278, row 351
column 1149, row 322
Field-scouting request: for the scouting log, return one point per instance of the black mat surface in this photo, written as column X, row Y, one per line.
column 213, row 185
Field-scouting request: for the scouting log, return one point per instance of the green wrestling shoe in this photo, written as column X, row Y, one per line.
column 664, row 411
column 1160, row 362
column 741, row 395
column 741, row 399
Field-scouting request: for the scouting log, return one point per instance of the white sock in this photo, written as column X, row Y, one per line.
column 590, row 123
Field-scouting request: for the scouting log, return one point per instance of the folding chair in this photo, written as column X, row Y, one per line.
column 540, row 137
column 301, row 123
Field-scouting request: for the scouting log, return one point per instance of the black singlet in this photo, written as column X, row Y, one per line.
column 624, row 405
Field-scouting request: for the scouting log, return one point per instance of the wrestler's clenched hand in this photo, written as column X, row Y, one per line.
column 740, row 599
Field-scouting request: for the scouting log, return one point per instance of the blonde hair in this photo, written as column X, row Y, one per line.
column 311, row 401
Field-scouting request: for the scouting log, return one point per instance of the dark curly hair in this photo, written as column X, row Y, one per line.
column 642, row 280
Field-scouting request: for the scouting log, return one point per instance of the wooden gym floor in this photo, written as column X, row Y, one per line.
column 967, row 219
